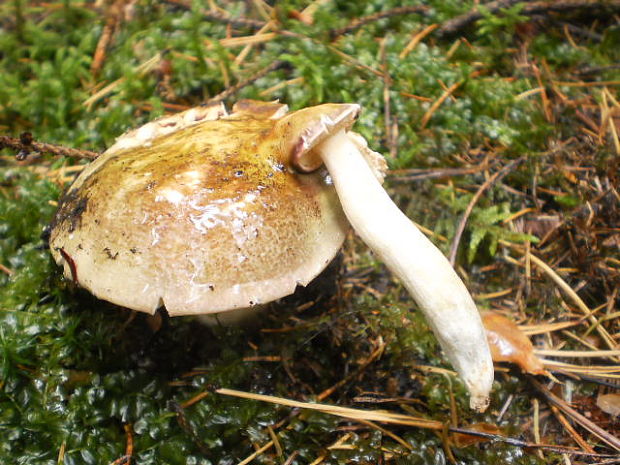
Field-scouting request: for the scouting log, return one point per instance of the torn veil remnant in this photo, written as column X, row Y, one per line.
column 206, row 212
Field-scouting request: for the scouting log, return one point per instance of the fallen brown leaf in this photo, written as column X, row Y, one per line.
column 508, row 343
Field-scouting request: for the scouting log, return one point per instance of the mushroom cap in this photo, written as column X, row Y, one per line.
column 202, row 211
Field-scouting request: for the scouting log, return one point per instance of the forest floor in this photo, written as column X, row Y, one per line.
column 500, row 123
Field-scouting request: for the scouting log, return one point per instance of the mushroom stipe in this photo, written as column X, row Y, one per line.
column 206, row 212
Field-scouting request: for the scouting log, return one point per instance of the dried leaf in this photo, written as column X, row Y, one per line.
column 463, row 440
column 612, row 241
column 508, row 343
column 609, row 403
column 539, row 225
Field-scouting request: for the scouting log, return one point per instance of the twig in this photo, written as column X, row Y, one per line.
column 126, row 459
column 387, row 432
column 254, row 39
column 122, row 460
column 276, row 442
column 256, row 453
column 454, row 25
column 597, row 70
column 536, row 423
column 345, row 412
column 187, row 427
column 61, row 452
column 375, row 355
column 240, row 85
column 504, row 408
column 546, row 103
column 248, row 48
column 281, row 85
column 6, row 270
column 141, row 69
column 355, row 62
column 599, row 432
column 291, row 457
column 589, row 314
column 114, row 17
column 594, row 373
column 575, row 435
column 437, row 103
column 488, row 183
column 25, row 145
column 220, row 17
column 460, row 22
column 129, row 447
column 417, row 174
column 360, row 22
column 394, row 418
column 577, row 353
column 416, row 39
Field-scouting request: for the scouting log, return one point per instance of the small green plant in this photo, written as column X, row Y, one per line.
column 486, row 228
column 491, row 25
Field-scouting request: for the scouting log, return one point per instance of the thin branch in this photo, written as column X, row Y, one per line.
column 114, row 17
column 395, row 418
column 437, row 103
column 360, row 22
column 188, row 427
column 220, row 17
column 599, row 432
column 455, row 25
column 375, row 355
column 6, row 270
column 571, row 430
column 25, row 146
column 418, row 174
column 122, row 460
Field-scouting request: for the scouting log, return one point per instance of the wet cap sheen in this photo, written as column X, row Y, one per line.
column 203, row 212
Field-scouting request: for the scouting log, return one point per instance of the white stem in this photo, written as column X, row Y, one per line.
column 422, row 268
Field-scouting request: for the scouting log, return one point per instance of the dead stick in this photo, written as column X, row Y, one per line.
column 437, row 103
column 460, row 22
column 568, row 427
column 454, row 25
column 488, row 183
column 129, row 448
column 360, row 22
column 25, row 145
column 220, row 17
column 6, row 269
column 188, row 428
column 114, row 18
column 415, row 175
column 599, row 432
column 395, row 418
column 375, row 354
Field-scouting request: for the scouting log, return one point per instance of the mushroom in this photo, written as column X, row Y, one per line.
column 205, row 212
